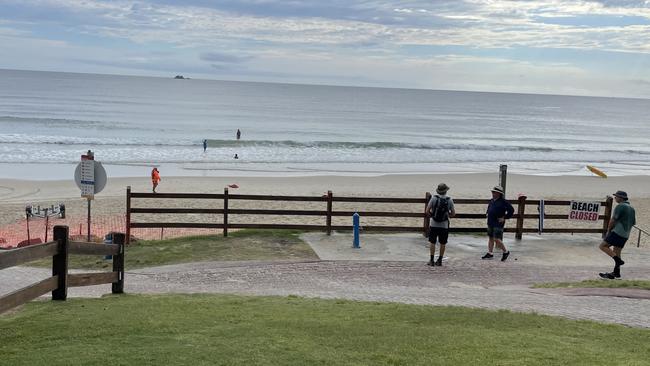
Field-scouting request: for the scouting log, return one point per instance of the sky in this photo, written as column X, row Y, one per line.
column 597, row 47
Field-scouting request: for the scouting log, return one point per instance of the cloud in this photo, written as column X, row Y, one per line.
column 487, row 24
column 223, row 58
column 371, row 41
column 12, row 32
column 644, row 83
column 623, row 3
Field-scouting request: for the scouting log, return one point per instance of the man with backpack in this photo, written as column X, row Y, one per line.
column 440, row 208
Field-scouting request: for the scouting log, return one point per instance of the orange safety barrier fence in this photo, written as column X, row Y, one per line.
column 16, row 234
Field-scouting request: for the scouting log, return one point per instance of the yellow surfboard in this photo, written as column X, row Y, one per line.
column 597, row 171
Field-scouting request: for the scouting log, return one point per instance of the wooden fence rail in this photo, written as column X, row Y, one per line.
column 328, row 213
column 61, row 280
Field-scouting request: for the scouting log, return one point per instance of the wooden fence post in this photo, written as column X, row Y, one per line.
column 503, row 176
column 328, row 221
column 608, row 214
column 225, row 211
column 427, row 198
column 128, row 215
column 60, row 263
column 118, row 264
column 521, row 210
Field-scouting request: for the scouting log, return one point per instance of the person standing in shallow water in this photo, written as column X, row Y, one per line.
column 618, row 232
column 205, row 145
column 238, row 134
column 498, row 211
column 155, row 178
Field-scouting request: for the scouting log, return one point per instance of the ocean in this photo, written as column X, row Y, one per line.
column 48, row 119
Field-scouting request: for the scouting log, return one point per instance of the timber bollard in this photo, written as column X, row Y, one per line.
column 118, row 263
column 60, row 263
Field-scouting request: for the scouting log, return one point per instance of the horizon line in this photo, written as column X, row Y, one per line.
column 326, row 85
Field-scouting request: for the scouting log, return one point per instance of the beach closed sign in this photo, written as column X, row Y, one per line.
column 584, row 211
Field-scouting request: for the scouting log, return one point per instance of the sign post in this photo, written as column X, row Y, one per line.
column 90, row 177
column 88, row 182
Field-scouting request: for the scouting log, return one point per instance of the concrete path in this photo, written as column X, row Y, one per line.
column 547, row 249
column 464, row 280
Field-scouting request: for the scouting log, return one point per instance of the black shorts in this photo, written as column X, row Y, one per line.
column 438, row 234
column 616, row 240
column 495, row 232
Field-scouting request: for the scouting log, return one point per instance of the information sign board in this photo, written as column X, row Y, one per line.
column 87, row 178
column 584, row 211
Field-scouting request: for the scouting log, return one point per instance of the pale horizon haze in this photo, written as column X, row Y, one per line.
column 596, row 48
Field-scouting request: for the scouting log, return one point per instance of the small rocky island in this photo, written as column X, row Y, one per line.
column 180, row 77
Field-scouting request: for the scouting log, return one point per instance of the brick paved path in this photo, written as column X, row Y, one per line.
column 473, row 283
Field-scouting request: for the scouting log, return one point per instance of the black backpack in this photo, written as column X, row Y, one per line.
column 440, row 210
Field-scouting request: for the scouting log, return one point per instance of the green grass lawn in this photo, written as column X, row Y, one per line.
column 239, row 245
column 236, row 330
column 638, row 284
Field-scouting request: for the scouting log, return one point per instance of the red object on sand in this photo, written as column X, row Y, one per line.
column 25, row 243
column 233, row 186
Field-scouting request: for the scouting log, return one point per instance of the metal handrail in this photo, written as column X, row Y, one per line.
column 638, row 241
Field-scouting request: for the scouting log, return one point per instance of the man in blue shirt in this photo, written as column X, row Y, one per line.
column 498, row 211
column 618, row 232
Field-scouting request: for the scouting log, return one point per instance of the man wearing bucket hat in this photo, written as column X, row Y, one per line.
column 498, row 211
column 618, row 232
column 441, row 208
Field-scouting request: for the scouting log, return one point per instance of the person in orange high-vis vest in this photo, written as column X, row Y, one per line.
column 155, row 178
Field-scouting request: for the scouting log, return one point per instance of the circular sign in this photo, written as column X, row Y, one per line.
column 100, row 176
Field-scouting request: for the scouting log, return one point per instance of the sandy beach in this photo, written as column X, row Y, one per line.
column 15, row 194
column 462, row 186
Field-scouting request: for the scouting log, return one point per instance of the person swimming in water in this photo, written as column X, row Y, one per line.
column 235, row 157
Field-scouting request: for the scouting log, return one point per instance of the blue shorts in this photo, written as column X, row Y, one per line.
column 615, row 240
column 495, row 232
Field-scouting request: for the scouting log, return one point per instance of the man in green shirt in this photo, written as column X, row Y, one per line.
column 618, row 232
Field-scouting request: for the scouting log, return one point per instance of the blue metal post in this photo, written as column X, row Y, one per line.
column 108, row 239
column 355, row 224
column 541, row 216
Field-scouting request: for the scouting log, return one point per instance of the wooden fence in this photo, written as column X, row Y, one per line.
column 61, row 280
column 328, row 213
